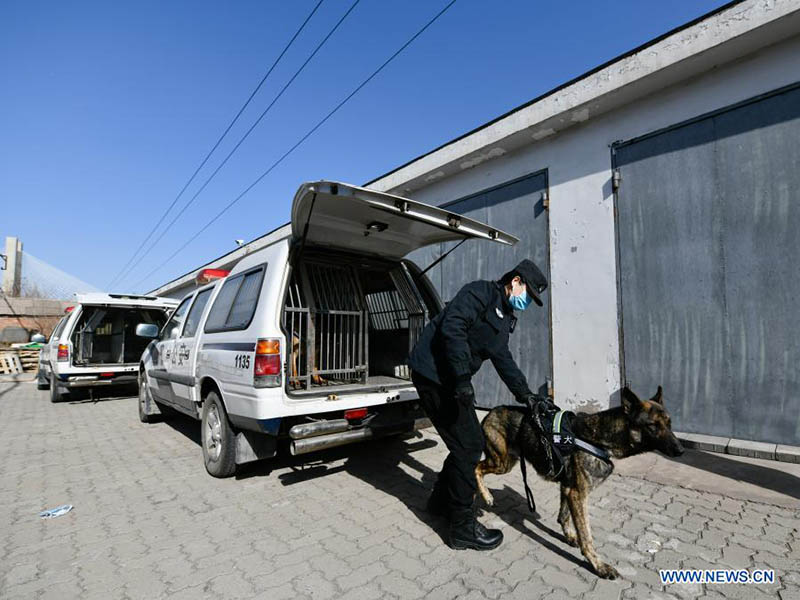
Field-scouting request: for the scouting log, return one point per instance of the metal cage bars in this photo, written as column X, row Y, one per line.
column 325, row 319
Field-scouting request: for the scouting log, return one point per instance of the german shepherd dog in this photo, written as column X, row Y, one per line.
column 634, row 427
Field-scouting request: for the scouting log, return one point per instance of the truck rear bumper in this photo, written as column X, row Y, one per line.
column 84, row 381
column 314, row 443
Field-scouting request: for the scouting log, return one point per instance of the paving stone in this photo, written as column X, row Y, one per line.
column 282, row 592
column 686, row 590
column 734, row 527
column 401, row 587
column 333, row 525
column 760, row 544
column 789, row 592
column 451, row 589
column 641, row 592
column 475, row 595
column 744, row 592
column 606, row 589
column 317, row 586
column 559, row 579
column 361, row 576
column 763, row 560
column 491, row 587
column 736, row 556
column 613, row 554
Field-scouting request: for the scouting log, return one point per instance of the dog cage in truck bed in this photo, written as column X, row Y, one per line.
column 349, row 326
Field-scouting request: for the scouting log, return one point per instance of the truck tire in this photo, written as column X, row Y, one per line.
column 55, row 395
column 146, row 413
column 218, row 438
column 41, row 380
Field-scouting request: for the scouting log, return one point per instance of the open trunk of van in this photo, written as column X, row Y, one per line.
column 106, row 335
column 351, row 322
column 354, row 309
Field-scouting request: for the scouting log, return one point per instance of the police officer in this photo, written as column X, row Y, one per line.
column 473, row 327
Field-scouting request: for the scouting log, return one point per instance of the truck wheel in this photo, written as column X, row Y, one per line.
column 55, row 395
column 41, row 380
column 146, row 414
column 219, row 439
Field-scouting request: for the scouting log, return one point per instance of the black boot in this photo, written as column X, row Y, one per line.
column 467, row 532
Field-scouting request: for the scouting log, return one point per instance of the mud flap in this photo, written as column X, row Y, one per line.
column 252, row 446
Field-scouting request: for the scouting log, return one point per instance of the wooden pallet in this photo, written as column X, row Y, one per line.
column 29, row 359
column 10, row 363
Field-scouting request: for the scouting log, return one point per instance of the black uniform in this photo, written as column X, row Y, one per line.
column 473, row 327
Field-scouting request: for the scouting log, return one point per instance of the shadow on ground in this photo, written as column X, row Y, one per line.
column 507, row 500
column 387, row 465
column 188, row 427
column 6, row 387
column 99, row 394
column 760, row 475
column 384, row 464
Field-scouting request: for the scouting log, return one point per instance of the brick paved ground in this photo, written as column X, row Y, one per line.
column 149, row 523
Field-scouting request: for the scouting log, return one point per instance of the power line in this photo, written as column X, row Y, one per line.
column 216, row 145
column 246, row 135
column 296, row 145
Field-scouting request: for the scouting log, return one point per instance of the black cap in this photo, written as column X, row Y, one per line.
column 534, row 279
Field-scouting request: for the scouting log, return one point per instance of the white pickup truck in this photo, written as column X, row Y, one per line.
column 94, row 344
column 306, row 339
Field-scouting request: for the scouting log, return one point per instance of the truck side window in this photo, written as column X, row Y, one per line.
column 193, row 319
column 236, row 302
column 59, row 328
column 174, row 326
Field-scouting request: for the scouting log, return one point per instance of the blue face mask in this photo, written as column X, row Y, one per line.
column 520, row 302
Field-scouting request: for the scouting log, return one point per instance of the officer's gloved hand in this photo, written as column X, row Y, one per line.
column 531, row 400
column 464, row 392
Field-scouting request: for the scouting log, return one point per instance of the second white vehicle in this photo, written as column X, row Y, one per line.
column 94, row 344
column 306, row 339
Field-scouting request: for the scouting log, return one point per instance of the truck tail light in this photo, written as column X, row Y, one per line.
column 63, row 352
column 355, row 414
column 267, row 365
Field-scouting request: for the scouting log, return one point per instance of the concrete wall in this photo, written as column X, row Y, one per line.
column 34, row 314
column 585, row 320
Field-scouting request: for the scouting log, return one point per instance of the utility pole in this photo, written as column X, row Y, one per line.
column 12, row 275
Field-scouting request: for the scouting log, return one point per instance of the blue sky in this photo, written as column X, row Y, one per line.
column 107, row 108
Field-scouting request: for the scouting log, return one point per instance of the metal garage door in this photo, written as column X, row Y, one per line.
column 709, row 253
column 516, row 207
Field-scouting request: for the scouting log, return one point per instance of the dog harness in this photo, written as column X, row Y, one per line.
column 555, row 428
column 566, row 441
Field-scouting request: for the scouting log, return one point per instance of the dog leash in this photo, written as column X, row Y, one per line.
column 535, row 417
column 528, row 493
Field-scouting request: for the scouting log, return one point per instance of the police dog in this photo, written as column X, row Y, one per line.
column 634, row 427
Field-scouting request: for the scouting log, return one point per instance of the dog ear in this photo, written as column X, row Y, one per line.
column 658, row 399
column 630, row 401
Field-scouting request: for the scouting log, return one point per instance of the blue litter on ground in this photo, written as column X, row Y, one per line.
column 56, row 512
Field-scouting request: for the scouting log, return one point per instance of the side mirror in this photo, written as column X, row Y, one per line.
column 38, row 338
column 147, row 330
